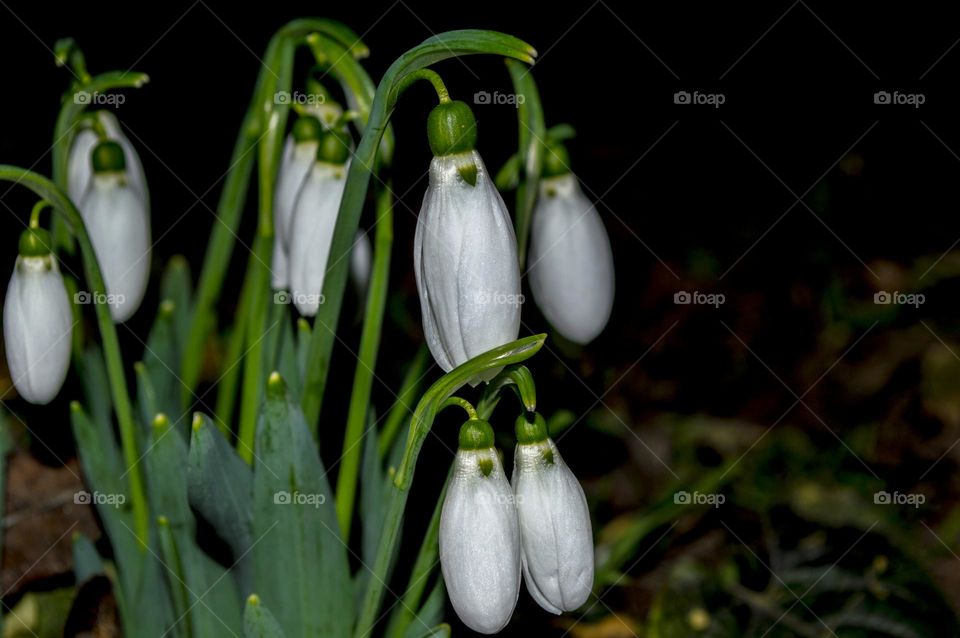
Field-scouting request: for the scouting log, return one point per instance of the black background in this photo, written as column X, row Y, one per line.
column 685, row 190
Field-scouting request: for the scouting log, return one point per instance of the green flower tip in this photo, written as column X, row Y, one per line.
column 334, row 147
column 35, row 242
column 197, row 421
column 556, row 160
column 451, row 129
column 531, row 428
column 107, row 157
column 253, row 600
column 163, row 521
column 476, row 435
column 303, row 325
column 276, row 386
column 160, row 421
column 307, row 129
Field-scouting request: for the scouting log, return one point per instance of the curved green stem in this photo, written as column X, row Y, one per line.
column 108, row 333
column 430, row 76
column 366, row 361
column 460, row 402
column 35, row 213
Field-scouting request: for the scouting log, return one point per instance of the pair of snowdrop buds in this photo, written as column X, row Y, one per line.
column 105, row 179
column 310, row 185
column 491, row 532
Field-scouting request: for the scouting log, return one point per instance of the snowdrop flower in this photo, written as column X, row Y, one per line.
column 465, row 250
column 80, row 169
column 571, row 264
column 118, row 221
column 554, row 521
column 37, row 322
column 314, row 220
column 479, row 534
column 299, row 155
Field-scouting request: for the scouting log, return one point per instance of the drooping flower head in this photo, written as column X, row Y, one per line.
column 479, row 534
column 315, row 218
column 555, row 529
column 465, row 250
column 37, row 320
column 118, row 221
column 570, row 263
column 79, row 167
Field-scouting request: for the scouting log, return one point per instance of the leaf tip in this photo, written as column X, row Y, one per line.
column 160, row 421
column 75, row 406
column 253, row 600
column 138, row 367
column 166, row 308
column 197, row 421
column 163, row 521
column 276, row 387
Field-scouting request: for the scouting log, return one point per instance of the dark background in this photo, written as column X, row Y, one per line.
column 694, row 198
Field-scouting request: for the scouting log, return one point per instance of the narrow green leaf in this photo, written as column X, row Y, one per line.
column 300, row 561
column 220, row 487
column 86, row 559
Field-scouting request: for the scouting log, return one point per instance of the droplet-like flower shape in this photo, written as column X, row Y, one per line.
column 570, row 264
column 465, row 250
column 314, row 220
column 79, row 165
column 554, row 521
column 479, row 534
column 299, row 156
column 37, row 321
column 118, row 221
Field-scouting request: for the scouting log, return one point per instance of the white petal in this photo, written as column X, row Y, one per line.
column 570, row 263
column 37, row 328
column 79, row 169
column 555, row 528
column 480, row 543
column 465, row 255
column 279, row 268
column 135, row 175
column 311, row 233
column 119, row 226
column 294, row 166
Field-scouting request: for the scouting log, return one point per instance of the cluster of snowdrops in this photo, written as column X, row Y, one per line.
column 466, row 258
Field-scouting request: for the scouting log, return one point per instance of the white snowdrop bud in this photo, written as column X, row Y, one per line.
column 479, row 534
column 37, row 321
column 555, row 529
